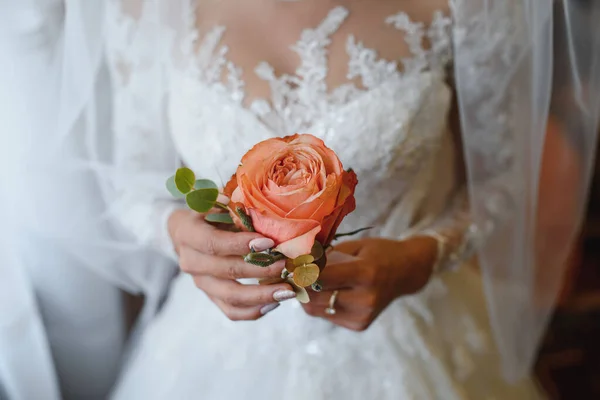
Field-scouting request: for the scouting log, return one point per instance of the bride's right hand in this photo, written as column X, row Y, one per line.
column 214, row 258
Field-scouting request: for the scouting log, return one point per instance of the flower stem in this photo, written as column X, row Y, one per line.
column 223, row 206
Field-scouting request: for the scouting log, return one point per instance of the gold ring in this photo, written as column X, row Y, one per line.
column 331, row 309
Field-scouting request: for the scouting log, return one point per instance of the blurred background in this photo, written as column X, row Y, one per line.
column 569, row 361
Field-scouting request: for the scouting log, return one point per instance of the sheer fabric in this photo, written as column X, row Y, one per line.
column 191, row 88
column 382, row 108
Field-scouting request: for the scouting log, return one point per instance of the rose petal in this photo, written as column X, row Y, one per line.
column 280, row 229
column 331, row 160
column 254, row 198
column 319, row 205
column 230, row 186
column 346, row 205
column 300, row 245
column 237, row 196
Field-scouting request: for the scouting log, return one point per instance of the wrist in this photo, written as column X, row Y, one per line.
column 414, row 259
column 424, row 252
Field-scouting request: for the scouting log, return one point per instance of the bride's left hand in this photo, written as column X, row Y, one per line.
column 385, row 270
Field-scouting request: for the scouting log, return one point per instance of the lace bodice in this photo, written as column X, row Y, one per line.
column 385, row 117
column 369, row 78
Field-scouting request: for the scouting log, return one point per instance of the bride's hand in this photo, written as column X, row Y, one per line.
column 386, row 270
column 214, row 259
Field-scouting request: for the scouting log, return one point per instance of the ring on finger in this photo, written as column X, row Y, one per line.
column 331, row 309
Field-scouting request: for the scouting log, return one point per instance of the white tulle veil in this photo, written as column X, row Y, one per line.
column 518, row 64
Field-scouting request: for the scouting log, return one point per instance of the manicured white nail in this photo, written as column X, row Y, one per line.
column 283, row 295
column 268, row 308
column 261, row 244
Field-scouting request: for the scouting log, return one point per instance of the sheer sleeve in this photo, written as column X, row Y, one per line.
column 453, row 229
column 144, row 155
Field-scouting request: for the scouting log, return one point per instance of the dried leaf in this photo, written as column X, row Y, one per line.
column 317, row 251
column 289, row 265
column 301, row 293
column 306, row 275
column 259, row 259
column 317, row 286
column 303, row 260
column 245, row 218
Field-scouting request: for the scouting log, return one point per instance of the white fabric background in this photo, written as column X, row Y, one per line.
column 77, row 318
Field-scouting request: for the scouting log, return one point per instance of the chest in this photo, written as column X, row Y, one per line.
column 380, row 106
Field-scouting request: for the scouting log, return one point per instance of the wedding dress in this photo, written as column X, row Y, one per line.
column 389, row 122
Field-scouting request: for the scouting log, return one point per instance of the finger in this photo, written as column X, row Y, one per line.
column 345, row 318
column 209, row 240
column 243, row 296
column 232, row 267
column 353, row 300
column 344, row 275
column 351, row 247
column 244, row 314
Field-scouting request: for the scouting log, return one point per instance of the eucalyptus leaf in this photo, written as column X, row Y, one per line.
column 259, row 259
column 245, row 218
column 205, row 184
column 317, row 251
column 301, row 293
column 303, row 260
column 202, row 200
column 317, row 286
column 185, row 179
column 289, row 265
column 223, row 218
column 277, row 255
column 172, row 188
column 306, row 275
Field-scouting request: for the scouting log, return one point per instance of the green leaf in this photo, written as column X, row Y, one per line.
column 219, row 218
column 205, row 184
column 317, row 286
column 184, row 180
column 202, row 200
column 172, row 188
column 259, row 259
column 245, row 218
column 339, row 235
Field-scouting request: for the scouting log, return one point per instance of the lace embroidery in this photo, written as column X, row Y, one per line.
column 405, row 122
column 298, row 100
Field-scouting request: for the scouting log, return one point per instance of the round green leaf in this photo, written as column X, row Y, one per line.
column 172, row 188
column 205, row 184
column 202, row 200
column 185, row 179
column 223, row 218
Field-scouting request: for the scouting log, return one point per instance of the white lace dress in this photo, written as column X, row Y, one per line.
column 391, row 128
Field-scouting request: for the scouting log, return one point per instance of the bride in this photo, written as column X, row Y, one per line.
column 198, row 83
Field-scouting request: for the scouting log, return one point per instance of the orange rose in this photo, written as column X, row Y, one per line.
column 295, row 190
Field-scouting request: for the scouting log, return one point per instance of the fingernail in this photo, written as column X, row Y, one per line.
column 261, row 244
column 268, row 308
column 283, row 295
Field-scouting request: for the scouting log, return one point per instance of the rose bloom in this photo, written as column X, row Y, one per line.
column 295, row 190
